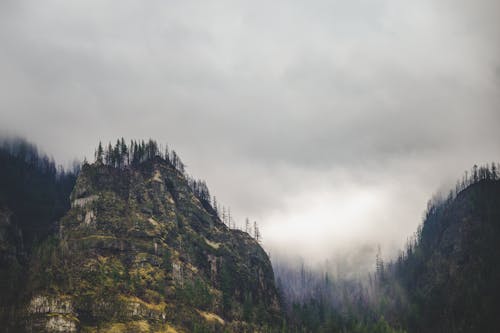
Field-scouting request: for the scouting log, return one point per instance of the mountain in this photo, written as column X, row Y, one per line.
column 450, row 275
column 445, row 280
column 131, row 243
column 140, row 249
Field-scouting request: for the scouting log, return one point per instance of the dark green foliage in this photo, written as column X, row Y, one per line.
column 196, row 294
column 227, row 285
column 167, row 261
column 451, row 271
column 446, row 280
column 33, row 189
column 34, row 194
column 248, row 308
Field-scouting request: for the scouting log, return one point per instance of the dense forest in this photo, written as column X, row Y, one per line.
column 34, row 194
column 33, row 188
column 445, row 280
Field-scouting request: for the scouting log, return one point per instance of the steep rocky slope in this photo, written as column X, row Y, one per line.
column 139, row 251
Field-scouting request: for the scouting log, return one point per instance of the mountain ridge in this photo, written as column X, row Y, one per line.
column 141, row 250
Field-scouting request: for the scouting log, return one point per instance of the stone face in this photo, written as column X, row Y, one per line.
column 60, row 324
column 45, row 304
column 82, row 202
column 139, row 245
column 50, row 313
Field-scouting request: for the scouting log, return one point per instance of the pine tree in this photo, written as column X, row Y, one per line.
column 379, row 263
column 214, row 206
column 124, row 152
column 99, row 153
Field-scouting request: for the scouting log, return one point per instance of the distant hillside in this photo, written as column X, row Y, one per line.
column 451, row 273
column 33, row 189
column 446, row 280
column 34, row 195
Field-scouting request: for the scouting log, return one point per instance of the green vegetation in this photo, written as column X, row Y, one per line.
column 446, row 280
column 140, row 248
column 133, row 244
column 34, row 194
column 449, row 273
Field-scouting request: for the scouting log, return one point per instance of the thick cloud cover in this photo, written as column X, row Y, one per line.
column 329, row 122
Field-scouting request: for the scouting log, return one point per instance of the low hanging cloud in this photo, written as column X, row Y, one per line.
column 329, row 122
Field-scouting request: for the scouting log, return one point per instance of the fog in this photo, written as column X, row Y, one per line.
column 331, row 123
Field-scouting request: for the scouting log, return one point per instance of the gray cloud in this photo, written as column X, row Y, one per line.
column 271, row 103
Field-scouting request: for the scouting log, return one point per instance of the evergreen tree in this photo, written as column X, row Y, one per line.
column 379, row 263
column 124, row 152
column 99, row 153
column 108, row 156
column 215, row 205
column 116, row 155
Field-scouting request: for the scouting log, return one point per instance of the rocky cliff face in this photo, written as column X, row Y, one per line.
column 139, row 251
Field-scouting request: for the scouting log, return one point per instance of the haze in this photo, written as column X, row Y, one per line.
column 331, row 123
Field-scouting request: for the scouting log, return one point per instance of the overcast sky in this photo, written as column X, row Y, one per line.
column 331, row 123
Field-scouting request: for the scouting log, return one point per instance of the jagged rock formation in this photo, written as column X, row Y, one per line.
column 139, row 251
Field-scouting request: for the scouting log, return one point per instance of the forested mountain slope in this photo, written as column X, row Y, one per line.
column 451, row 274
column 446, row 280
column 34, row 194
column 131, row 243
column 141, row 249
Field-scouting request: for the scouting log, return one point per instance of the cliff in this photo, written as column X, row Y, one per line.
column 140, row 251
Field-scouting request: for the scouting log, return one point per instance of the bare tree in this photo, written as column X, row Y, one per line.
column 247, row 225
column 256, row 232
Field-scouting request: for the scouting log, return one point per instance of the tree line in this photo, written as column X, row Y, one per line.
column 406, row 294
column 411, row 288
column 122, row 155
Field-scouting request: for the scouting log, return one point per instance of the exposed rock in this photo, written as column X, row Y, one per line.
column 89, row 217
column 59, row 323
column 82, row 202
column 46, row 304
